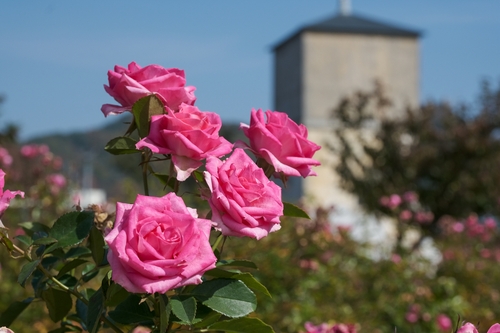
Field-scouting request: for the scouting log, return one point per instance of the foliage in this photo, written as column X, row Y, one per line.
column 447, row 154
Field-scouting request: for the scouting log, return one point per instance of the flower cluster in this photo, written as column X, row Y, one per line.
column 159, row 244
column 407, row 207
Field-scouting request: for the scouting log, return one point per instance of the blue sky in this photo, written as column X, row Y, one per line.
column 54, row 54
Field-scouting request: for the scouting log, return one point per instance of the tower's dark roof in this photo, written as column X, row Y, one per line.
column 353, row 24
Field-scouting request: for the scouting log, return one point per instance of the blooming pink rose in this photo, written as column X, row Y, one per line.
column 189, row 135
column 444, row 322
column 467, row 328
column 6, row 196
column 281, row 142
column 244, row 201
column 158, row 244
column 127, row 85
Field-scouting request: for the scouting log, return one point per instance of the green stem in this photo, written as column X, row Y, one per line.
column 217, row 241
column 145, row 160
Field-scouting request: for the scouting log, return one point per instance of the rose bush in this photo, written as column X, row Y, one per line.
column 244, row 201
column 158, row 244
column 127, row 85
column 189, row 135
column 281, row 142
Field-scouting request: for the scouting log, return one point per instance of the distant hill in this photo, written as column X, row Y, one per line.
column 119, row 176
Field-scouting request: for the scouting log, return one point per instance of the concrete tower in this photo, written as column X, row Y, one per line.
column 323, row 62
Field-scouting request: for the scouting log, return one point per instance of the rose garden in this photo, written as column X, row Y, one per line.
column 228, row 255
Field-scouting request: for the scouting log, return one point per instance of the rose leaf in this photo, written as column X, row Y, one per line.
column 242, row 325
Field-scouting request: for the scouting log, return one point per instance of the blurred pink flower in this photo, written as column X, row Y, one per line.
column 394, row 201
column 396, row 258
column 4, row 329
column 458, row 227
column 490, row 223
column 444, row 323
column 405, row 215
column 5, row 158
column 411, row 317
column 410, row 196
column 141, row 329
column 424, row 217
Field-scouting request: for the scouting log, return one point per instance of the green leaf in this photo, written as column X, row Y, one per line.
column 132, row 311
column 121, row 145
column 97, row 245
column 58, row 303
column 165, row 309
column 242, row 325
column 26, row 240
column 13, row 311
column 31, row 227
column 71, row 265
column 293, row 211
column 71, row 229
column 207, row 319
column 184, row 309
column 232, row 298
column 236, row 263
column 115, row 295
column 246, row 278
column 26, row 272
column 44, row 241
column 198, row 175
column 76, row 252
column 143, row 109
column 166, row 180
column 95, row 309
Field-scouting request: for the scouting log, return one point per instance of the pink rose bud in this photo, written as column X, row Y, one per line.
column 128, row 85
column 158, row 244
column 468, row 328
column 244, row 201
column 189, row 135
column 444, row 323
column 281, row 142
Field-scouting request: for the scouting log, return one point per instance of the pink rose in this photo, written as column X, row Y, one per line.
column 281, row 142
column 244, row 201
column 467, row 328
column 6, row 196
column 189, row 135
column 127, row 85
column 444, row 323
column 4, row 329
column 158, row 244
column 494, row 329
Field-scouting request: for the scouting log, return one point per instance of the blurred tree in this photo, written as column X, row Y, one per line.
column 448, row 155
